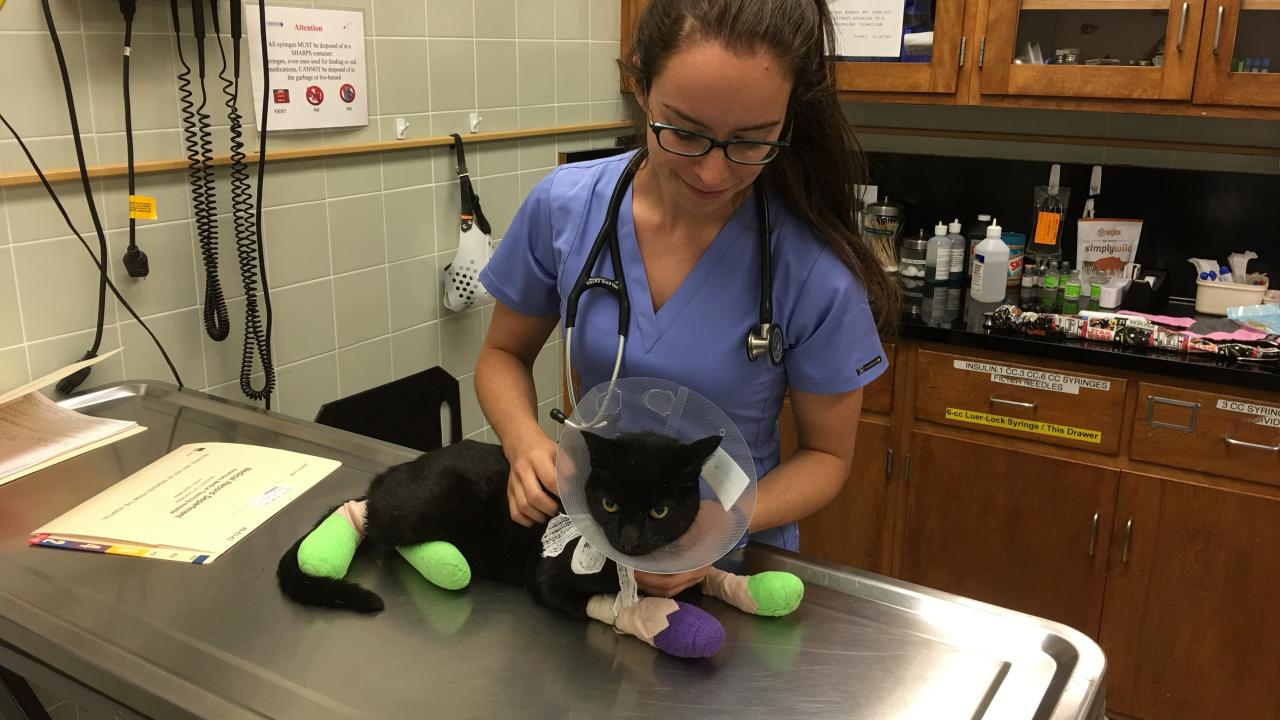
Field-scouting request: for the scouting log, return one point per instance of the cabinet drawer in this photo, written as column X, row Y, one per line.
column 1064, row 408
column 1214, row 433
column 878, row 396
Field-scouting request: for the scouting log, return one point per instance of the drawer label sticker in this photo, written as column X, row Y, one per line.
column 1021, row 425
column 1268, row 415
column 1038, row 379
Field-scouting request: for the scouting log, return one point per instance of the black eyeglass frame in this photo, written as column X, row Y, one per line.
column 712, row 143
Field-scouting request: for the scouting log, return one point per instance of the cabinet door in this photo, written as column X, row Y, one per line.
column 851, row 529
column 925, row 56
column 1192, row 616
column 1021, row 531
column 1129, row 49
column 1240, row 54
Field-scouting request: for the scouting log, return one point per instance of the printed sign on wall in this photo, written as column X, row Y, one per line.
column 317, row 67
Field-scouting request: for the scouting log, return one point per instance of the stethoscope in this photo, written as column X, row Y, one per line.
column 763, row 339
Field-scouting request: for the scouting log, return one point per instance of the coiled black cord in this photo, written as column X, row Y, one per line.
column 71, row 382
column 101, row 268
column 198, row 139
column 257, row 337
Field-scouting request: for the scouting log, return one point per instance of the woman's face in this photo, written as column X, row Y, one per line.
column 707, row 88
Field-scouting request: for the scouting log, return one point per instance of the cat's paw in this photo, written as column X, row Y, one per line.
column 776, row 593
column 440, row 562
column 690, row 633
column 327, row 551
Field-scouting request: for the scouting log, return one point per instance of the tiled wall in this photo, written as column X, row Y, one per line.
column 1217, row 131
column 354, row 244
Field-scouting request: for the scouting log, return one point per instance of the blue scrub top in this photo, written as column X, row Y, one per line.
column 697, row 338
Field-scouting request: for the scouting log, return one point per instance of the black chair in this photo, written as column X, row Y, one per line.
column 405, row 411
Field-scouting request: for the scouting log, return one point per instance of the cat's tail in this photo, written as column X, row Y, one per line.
column 328, row 550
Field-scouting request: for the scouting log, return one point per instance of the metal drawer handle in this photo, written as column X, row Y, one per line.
column 1015, row 403
column 1093, row 535
column 1128, row 535
column 1217, row 30
column 1241, row 443
column 1153, row 400
column 1182, row 24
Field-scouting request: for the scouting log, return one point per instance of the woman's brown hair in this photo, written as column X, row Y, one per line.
column 819, row 174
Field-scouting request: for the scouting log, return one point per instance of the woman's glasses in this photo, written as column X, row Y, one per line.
column 691, row 143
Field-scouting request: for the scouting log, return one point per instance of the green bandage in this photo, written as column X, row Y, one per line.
column 776, row 593
column 328, row 550
column 440, row 562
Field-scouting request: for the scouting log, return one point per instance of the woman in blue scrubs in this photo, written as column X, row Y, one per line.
column 751, row 70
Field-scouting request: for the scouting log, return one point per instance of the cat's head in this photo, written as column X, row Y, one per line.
column 643, row 487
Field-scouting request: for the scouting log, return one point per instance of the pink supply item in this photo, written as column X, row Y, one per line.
column 1243, row 334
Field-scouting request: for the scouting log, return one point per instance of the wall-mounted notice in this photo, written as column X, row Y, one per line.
column 317, row 66
column 868, row 28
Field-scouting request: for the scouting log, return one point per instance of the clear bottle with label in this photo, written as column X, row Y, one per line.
column 1051, row 278
column 1072, row 290
column 990, row 267
column 1064, row 274
column 937, row 262
column 959, row 246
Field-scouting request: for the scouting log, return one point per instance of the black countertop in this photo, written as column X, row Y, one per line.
column 948, row 315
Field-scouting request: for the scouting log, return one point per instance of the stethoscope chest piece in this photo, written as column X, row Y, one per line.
column 766, row 340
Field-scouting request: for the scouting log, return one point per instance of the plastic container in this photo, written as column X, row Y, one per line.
column 990, row 267
column 1213, row 298
column 977, row 233
column 937, row 259
column 911, row 257
column 1017, row 243
column 959, row 246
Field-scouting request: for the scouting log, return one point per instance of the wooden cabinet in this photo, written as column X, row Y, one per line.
column 1016, row 400
column 1191, row 626
column 851, row 529
column 1229, row 435
column 1166, row 32
column 939, row 74
column 1134, row 56
column 1233, row 32
column 1018, row 530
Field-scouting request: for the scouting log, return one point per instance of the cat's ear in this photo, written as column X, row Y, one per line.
column 696, row 453
column 601, row 449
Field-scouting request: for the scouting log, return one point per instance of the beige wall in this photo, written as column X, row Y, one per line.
column 353, row 244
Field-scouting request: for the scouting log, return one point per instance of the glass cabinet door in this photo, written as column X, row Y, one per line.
column 907, row 46
column 1240, row 54
column 1125, row 49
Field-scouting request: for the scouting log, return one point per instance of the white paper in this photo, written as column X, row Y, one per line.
column 36, row 432
column 1038, row 379
column 1106, row 246
column 725, row 477
column 201, row 498
column 318, row 75
column 53, row 377
column 868, row 28
column 1268, row 415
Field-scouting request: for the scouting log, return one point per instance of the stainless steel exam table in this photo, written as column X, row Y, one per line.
column 164, row 640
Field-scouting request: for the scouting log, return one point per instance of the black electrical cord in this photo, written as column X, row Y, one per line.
column 101, row 268
column 199, row 144
column 242, row 208
column 71, row 382
column 135, row 261
column 257, row 338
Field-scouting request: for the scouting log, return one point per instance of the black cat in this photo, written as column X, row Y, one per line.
column 446, row 513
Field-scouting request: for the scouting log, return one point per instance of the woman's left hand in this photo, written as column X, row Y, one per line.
column 667, row 586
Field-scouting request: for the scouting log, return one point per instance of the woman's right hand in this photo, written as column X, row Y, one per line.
column 531, row 486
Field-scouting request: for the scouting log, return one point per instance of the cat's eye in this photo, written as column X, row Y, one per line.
column 608, row 505
column 659, row 512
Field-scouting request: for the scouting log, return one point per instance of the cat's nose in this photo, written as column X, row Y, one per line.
column 629, row 539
